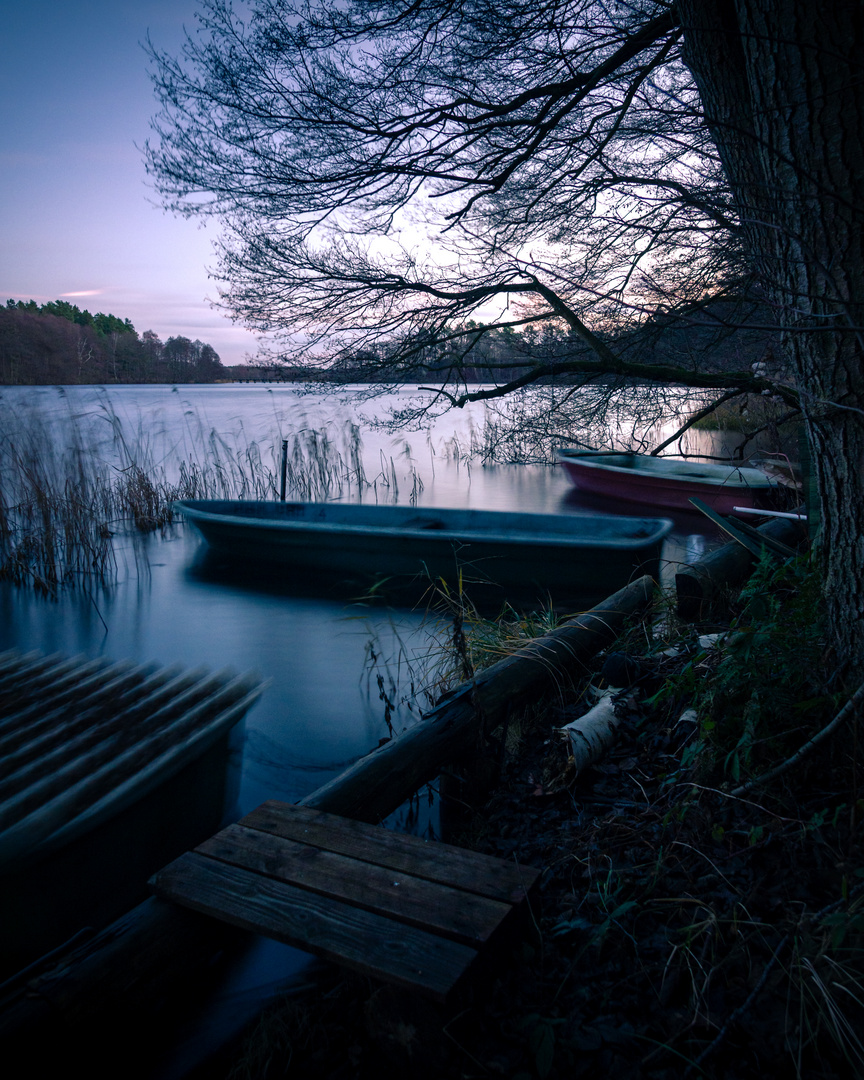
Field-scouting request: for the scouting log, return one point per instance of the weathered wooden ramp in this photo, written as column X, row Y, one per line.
column 390, row 906
column 107, row 771
column 82, row 739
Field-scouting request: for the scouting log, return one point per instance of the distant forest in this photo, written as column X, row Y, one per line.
column 59, row 344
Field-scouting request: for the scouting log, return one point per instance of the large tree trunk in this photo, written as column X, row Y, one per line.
column 782, row 85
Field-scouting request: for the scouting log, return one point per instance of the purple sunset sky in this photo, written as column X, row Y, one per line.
column 77, row 218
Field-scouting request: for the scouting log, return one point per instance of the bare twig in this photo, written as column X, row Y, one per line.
column 695, row 418
column 848, row 709
column 741, row 1010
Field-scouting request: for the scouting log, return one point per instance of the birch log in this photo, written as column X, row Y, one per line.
column 594, row 733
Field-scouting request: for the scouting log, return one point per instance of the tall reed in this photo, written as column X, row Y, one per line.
column 66, row 489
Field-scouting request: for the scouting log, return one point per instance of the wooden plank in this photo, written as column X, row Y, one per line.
column 111, row 708
column 36, row 672
column 15, row 665
column 74, row 689
column 776, row 546
column 468, row 870
column 361, row 940
column 60, row 730
column 727, row 527
column 89, row 789
column 99, row 766
column 63, row 687
column 429, row 905
column 745, row 534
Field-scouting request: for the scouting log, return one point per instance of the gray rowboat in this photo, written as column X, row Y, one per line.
column 571, row 558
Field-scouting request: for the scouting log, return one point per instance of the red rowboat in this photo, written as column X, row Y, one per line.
column 669, row 483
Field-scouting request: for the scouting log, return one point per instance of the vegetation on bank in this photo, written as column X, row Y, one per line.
column 697, row 917
column 59, row 344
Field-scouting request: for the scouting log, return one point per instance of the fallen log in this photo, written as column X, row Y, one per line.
column 380, row 782
column 145, row 957
column 698, row 585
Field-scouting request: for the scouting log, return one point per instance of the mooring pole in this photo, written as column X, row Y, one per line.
column 284, row 470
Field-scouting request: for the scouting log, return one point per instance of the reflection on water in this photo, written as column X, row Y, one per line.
column 322, row 709
column 318, row 708
column 319, row 713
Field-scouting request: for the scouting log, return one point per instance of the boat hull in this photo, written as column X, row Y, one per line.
column 569, row 558
column 669, row 485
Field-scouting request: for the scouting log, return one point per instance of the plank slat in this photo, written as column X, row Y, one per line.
column 74, row 693
column 64, row 686
column 55, row 732
column 112, row 708
column 36, row 670
column 468, row 870
column 359, row 939
column 84, row 777
column 431, row 905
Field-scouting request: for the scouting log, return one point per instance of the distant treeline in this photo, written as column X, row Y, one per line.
column 59, row 344
column 474, row 353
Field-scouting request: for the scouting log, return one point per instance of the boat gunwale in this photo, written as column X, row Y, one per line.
column 662, row 527
column 760, row 482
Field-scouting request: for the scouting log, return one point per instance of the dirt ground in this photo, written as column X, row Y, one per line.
column 679, row 930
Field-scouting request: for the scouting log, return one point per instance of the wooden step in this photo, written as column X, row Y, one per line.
column 393, row 907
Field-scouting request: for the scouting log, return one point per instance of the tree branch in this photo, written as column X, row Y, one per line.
column 848, row 710
column 696, row 417
column 743, row 382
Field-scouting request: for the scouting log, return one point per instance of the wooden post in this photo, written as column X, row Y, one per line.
column 284, row 470
column 699, row 584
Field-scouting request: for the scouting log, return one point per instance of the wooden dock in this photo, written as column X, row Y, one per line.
column 98, row 765
column 81, row 739
column 390, row 906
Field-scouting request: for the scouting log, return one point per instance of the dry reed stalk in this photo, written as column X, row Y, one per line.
column 65, row 491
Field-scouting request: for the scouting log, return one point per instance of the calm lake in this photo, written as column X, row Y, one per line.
column 321, row 710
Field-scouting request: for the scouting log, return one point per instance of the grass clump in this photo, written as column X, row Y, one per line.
column 472, row 640
column 769, row 683
column 56, row 508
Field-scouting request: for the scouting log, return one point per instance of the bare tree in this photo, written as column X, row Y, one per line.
column 387, row 171
column 83, row 355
